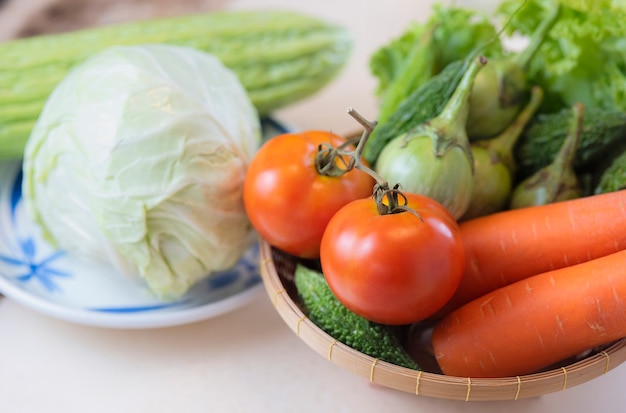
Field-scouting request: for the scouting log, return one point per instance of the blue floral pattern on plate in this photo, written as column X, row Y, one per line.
column 55, row 283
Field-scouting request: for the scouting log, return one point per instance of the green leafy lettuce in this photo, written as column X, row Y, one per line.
column 584, row 57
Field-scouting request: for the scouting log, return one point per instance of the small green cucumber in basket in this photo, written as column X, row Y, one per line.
column 325, row 311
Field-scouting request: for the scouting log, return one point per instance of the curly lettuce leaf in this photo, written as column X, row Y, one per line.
column 584, row 57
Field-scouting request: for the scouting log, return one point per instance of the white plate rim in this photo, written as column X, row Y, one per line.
column 139, row 320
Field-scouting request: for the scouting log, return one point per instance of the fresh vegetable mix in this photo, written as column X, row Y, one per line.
column 509, row 246
column 528, row 264
column 536, row 322
column 522, row 252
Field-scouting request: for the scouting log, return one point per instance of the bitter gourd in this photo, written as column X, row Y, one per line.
column 279, row 56
column 558, row 180
column 325, row 311
column 602, row 131
column 613, row 178
column 425, row 103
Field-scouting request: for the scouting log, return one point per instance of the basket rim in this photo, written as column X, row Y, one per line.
column 424, row 383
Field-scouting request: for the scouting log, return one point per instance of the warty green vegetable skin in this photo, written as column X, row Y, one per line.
column 325, row 311
column 603, row 130
column 613, row 177
column 426, row 102
column 558, row 180
column 279, row 56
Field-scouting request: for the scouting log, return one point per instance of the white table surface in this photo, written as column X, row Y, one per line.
column 247, row 360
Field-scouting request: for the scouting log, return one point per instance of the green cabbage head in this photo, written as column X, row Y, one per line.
column 138, row 160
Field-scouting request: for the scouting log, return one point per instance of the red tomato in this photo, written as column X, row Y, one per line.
column 394, row 268
column 288, row 202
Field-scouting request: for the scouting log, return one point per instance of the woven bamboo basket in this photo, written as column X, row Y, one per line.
column 277, row 271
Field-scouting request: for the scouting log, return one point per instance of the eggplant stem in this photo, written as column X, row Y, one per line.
column 456, row 109
column 523, row 59
column 565, row 157
column 502, row 145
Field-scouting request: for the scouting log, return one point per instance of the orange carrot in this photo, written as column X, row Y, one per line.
column 509, row 246
column 536, row 322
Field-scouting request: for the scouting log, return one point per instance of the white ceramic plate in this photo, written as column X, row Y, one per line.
column 62, row 286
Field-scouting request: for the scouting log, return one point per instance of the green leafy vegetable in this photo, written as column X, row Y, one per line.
column 138, row 161
column 424, row 49
column 584, row 58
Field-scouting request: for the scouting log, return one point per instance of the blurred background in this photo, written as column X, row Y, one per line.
column 20, row 18
column 372, row 23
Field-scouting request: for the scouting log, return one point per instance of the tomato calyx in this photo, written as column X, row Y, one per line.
column 332, row 161
column 396, row 201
